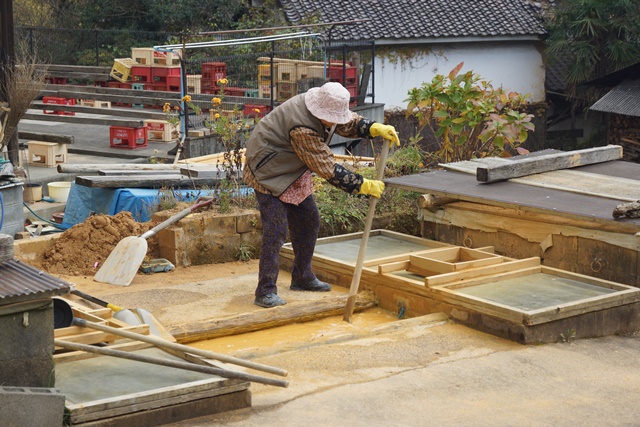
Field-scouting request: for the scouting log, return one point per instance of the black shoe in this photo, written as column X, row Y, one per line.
column 269, row 300
column 314, row 286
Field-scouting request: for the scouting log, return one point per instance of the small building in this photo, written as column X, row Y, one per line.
column 26, row 321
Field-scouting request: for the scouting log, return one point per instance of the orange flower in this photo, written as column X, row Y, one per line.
column 186, row 98
column 216, row 101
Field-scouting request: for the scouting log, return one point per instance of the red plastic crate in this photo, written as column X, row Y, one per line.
column 141, row 74
column 249, row 110
column 126, row 137
column 209, row 90
column 173, row 83
column 53, row 100
column 159, row 74
column 335, row 74
column 55, row 80
column 214, row 71
column 234, row 91
column 353, row 91
column 156, row 86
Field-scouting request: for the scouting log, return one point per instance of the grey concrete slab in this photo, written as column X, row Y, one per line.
column 18, row 404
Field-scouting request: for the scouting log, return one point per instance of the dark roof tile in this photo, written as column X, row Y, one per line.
column 392, row 19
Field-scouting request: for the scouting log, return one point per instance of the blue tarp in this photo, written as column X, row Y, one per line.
column 83, row 201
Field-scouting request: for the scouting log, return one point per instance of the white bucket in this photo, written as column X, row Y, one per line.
column 32, row 193
column 59, row 191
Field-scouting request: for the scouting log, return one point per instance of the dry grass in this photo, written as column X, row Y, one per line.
column 23, row 84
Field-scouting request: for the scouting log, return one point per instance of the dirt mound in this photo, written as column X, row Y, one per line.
column 82, row 249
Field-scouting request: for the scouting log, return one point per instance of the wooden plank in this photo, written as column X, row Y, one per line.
column 73, row 356
column 79, row 75
column 95, row 337
column 210, row 171
column 508, row 194
column 481, row 271
column 587, row 305
column 393, row 266
column 133, row 172
column 253, row 321
column 89, row 92
column 150, row 181
column 120, row 112
column 46, row 137
column 84, row 120
column 547, row 163
column 73, row 68
column 80, row 168
column 430, row 264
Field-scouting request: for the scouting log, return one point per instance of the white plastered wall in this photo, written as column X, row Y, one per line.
column 516, row 66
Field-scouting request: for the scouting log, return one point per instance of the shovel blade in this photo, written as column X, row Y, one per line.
column 123, row 262
column 140, row 316
column 155, row 327
column 127, row 316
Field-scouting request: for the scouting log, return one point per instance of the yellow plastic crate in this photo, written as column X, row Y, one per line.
column 121, row 69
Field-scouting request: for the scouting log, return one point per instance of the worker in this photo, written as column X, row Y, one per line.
column 286, row 146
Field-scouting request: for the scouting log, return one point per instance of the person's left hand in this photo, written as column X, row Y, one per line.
column 387, row 132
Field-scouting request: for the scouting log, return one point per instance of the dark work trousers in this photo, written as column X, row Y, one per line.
column 303, row 223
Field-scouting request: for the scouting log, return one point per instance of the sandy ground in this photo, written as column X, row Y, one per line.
column 423, row 372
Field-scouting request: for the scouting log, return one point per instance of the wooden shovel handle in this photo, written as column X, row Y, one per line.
column 177, row 217
column 355, row 280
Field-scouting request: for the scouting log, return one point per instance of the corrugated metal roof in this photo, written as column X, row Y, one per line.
column 623, row 99
column 20, row 282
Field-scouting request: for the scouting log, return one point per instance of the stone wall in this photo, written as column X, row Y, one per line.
column 209, row 239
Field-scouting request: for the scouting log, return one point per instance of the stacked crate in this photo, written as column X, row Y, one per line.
column 286, row 81
column 211, row 73
column 347, row 77
column 265, row 83
column 155, row 70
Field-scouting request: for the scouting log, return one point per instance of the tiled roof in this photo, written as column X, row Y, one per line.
column 416, row 19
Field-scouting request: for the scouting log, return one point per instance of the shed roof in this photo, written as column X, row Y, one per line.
column 22, row 282
column 623, row 99
column 420, row 19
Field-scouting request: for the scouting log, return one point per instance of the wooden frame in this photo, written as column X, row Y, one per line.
column 620, row 295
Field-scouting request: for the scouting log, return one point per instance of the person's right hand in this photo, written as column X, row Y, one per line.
column 372, row 187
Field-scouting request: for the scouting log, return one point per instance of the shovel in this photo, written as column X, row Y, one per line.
column 355, row 280
column 136, row 316
column 123, row 262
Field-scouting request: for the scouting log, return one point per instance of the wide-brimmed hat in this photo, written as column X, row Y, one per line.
column 329, row 102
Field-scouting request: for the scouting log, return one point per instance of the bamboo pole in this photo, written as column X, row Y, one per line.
column 180, row 347
column 225, row 373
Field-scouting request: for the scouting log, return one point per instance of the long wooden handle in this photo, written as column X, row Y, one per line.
column 179, row 347
column 175, row 218
column 212, row 370
column 355, row 280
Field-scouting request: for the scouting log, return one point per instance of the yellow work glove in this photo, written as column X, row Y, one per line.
column 372, row 187
column 385, row 131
